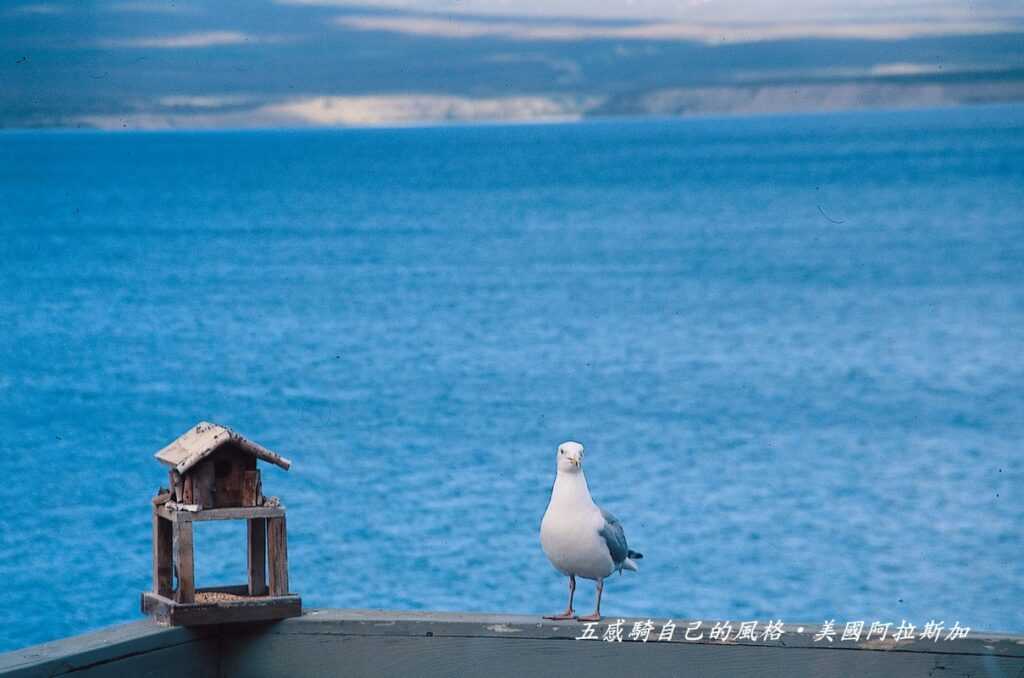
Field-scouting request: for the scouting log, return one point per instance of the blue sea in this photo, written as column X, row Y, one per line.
column 793, row 347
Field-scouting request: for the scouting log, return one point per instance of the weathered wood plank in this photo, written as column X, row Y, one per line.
column 230, row 464
column 277, row 555
column 188, row 494
column 381, row 643
column 177, row 484
column 204, row 490
column 163, row 555
column 137, row 649
column 252, row 488
column 257, row 556
column 204, row 439
column 272, row 654
column 184, row 562
column 265, row 608
column 222, row 513
column 376, row 643
column 471, row 624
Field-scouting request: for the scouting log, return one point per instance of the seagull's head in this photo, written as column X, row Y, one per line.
column 570, row 457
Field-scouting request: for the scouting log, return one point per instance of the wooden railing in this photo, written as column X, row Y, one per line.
column 374, row 643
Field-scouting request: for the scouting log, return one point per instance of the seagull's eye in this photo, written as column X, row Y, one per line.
column 561, row 451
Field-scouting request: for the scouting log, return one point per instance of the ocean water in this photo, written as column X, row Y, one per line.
column 792, row 346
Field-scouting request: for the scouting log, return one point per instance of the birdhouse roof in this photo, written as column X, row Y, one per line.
column 204, row 439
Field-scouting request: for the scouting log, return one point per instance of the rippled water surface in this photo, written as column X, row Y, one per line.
column 791, row 345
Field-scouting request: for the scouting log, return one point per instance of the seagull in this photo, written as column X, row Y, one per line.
column 579, row 537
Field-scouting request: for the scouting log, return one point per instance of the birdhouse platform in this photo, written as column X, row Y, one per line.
column 213, row 475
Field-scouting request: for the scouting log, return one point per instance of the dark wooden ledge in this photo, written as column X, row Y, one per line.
column 380, row 643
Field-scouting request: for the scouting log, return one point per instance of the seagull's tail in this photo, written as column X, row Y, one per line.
column 630, row 562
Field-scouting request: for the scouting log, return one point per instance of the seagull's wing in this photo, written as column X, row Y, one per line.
column 614, row 537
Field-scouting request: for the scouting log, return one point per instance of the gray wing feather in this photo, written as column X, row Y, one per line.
column 614, row 537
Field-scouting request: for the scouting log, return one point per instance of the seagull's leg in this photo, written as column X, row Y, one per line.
column 596, row 617
column 568, row 614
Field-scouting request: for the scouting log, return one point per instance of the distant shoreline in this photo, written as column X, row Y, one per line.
column 516, row 122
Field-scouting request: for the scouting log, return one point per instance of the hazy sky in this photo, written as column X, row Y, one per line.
column 708, row 10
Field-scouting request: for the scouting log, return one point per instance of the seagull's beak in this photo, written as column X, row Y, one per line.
column 575, row 461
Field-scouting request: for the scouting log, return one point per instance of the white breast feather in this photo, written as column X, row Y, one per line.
column 570, row 531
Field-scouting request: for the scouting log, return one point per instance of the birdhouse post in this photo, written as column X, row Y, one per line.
column 213, row 475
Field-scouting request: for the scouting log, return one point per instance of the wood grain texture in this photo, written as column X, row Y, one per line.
column 252, row 488
column 374, row 643
column 136, row 649
column 231, row 465
column 471, row 624
column 204, row 489
column 205, row 439
column 184, row 562
column 277, row 555
column 256, row 529
column 177, row 484
column 264, row 608
column 188, row 493
column 273, row 654
column 222, row 513
column 163, row 563
column 381, row 643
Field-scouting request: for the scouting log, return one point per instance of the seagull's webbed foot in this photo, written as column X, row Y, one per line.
column 568, row 614
column 595, row 617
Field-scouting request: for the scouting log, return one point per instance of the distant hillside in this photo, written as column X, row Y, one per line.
column 166, row 65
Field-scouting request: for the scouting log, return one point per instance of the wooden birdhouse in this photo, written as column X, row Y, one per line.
column 213, row 475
